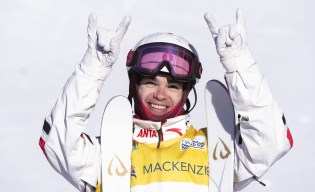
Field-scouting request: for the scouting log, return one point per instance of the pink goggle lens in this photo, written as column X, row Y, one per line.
column 151, row 62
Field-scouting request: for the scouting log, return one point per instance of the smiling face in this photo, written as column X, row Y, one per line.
column 160, row 94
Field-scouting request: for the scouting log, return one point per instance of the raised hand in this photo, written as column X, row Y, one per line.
column 104, row 44
column 230, row 41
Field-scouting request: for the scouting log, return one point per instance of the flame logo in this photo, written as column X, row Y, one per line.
column 223, row 156
column 119, row 166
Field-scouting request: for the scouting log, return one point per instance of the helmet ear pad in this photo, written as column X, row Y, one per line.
column 141, row 110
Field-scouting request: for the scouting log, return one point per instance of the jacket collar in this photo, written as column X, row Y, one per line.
column 145, row 131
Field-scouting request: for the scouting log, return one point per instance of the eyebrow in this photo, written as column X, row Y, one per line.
column 170, row 80
column 173, row 81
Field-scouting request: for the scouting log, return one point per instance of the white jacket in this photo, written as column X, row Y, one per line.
column 263, row 136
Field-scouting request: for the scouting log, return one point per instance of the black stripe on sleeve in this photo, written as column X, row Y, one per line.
column 89, row 138
column 46, row 127
column 283, row 119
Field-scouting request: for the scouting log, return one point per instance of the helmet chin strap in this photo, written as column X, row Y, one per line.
column 188, row 110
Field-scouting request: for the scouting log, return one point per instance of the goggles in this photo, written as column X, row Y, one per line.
column 149, row 59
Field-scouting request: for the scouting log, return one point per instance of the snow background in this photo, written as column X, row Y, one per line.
column 41, row 41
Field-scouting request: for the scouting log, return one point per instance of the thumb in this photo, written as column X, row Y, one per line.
column 91, row 30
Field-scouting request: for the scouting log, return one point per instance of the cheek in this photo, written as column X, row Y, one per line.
column 176, row 97
column 143, row 92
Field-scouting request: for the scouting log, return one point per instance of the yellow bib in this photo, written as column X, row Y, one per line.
column 183, row 159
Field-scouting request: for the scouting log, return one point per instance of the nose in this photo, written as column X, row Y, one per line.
column 160, row 93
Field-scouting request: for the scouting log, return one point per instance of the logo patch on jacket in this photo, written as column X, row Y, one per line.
column 133, row 172
column 199, row 142
column 147, row 133
column 135, row 145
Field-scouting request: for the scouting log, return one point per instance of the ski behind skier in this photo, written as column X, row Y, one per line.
column 220, row 132
column 116, row 145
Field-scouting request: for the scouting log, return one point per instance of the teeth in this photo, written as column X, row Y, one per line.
column 158, row 106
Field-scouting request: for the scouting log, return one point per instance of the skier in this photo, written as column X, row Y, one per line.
column 163, row 68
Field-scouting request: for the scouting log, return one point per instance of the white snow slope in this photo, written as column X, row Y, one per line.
column 41, row 41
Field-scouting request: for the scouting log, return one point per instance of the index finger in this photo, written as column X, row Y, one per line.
column 123, row 26
column 211, row 24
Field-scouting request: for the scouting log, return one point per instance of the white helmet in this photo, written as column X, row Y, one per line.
column 182, row 57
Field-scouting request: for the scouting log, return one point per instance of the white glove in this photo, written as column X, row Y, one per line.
column 103, row 45
column 231, row 43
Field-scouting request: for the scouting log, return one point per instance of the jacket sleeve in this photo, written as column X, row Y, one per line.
column 72, row 153
column 262, row 136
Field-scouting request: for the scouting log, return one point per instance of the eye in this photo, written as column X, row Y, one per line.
column 149, row 83
column 175, row 87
